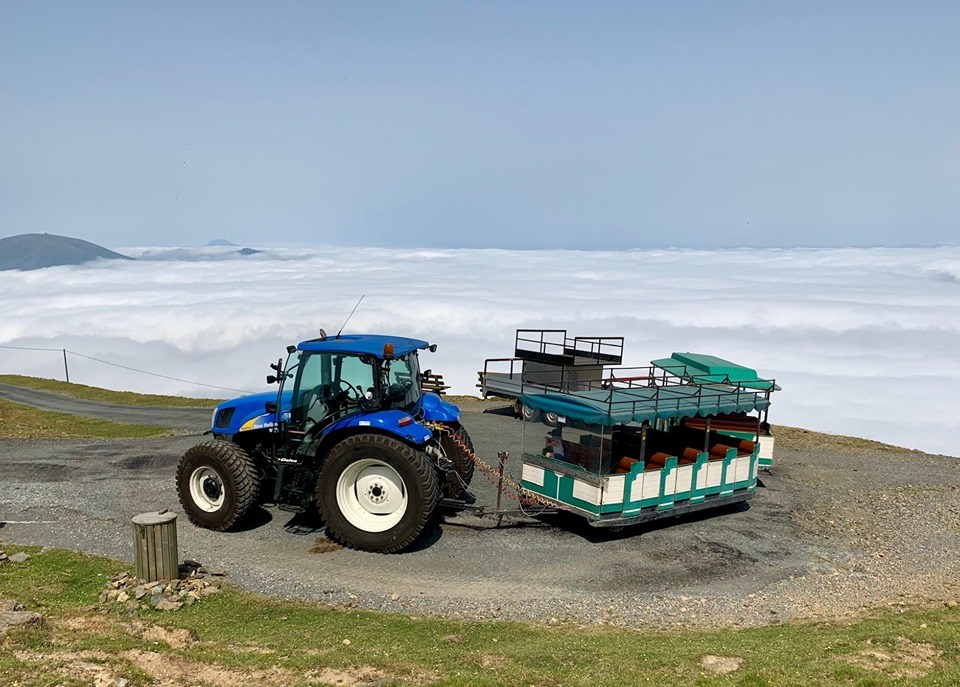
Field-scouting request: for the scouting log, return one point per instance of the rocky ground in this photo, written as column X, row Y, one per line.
column 838, row 527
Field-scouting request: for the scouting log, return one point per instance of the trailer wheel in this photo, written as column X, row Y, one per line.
column 528, row 414
column 551, row 419
column 376, row 493
column 217, row 484
column 463, row 462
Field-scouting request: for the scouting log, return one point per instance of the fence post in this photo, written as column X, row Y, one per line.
column 66, row 370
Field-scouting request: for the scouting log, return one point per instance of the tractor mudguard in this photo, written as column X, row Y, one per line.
column 434, row 409
column 247, row 412
column 387, row 421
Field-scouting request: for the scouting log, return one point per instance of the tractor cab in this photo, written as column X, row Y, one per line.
column 326, row 382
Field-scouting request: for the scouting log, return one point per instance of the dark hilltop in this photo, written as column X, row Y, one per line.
column 36, row 251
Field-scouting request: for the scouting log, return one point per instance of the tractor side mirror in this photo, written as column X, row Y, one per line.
column 270, row 406
column 271, row 379
column 433, row 348
column 426, row 373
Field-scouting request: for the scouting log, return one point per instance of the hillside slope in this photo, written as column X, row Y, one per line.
column 36, row 251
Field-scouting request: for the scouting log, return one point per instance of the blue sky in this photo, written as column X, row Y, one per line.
column 468, row 124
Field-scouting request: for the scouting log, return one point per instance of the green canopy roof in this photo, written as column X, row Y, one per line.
column 622, row 406
column 701, row 369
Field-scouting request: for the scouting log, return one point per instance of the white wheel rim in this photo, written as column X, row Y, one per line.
column 371, row 495
column 206, row 489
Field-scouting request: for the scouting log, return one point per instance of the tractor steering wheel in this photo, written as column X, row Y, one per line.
column 351, row 392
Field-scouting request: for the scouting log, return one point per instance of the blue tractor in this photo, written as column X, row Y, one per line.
column 349, row 430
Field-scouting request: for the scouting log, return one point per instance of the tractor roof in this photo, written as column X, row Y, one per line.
column 363, row 344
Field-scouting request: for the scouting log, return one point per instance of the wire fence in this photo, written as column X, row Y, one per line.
column 65, row 352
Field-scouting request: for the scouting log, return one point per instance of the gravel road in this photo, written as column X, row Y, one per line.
column 839, row 526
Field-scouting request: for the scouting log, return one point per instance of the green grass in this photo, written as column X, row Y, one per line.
column 92, row 393
column 19, row 421
column 257, row 640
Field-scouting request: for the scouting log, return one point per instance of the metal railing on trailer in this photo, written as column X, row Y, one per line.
column 554, row 347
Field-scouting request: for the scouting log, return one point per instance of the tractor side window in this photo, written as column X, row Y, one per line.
column 403, row 388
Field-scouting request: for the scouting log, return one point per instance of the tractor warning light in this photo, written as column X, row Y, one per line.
column 388, row 351
column 404, row 421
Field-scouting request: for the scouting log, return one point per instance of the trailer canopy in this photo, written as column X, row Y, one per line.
column 617, row 406
column 699, row 368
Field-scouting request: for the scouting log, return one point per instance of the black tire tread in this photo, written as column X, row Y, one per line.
column 464, row 464
column 238, row 464
column 421, row 464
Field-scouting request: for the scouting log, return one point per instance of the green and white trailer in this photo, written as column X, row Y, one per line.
column 640, row 445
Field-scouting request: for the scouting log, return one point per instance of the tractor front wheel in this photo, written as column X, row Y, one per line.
column 376, row 493
column 217, row 484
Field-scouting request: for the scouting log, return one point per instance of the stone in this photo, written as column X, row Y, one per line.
column 10, row 619
column 346, row 642
column 721, row 665
column 9, row 605
column 157, row 590
column 140, row 592
column 394, row 597
column 218, row 573
column 19, row 558
column 165, row 605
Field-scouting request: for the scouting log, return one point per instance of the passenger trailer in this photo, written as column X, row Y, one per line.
column 551, row 360
column 641, row 444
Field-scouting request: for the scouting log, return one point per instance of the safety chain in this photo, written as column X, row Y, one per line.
column 523, row 495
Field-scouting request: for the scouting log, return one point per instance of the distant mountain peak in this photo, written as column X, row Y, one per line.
column 222, row 242
column 36, row 251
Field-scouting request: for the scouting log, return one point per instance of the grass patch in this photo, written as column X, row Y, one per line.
column 18, row 421
column 238, row 638
column 93, row 393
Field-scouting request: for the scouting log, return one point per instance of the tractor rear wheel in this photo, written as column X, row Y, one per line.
column 217, row 484
column 453, row 446
column 376, row 493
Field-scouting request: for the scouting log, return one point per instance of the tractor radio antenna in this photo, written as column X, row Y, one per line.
column 349, row 316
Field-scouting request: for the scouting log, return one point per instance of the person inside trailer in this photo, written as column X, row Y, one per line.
column 554, row 447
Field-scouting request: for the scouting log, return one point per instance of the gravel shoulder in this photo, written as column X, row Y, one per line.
column 839, row 527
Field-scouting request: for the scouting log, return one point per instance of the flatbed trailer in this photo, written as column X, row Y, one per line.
column 548, row 358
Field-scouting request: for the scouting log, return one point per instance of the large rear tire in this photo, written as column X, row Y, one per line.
column 458, row 480
column 217, row 484
column 376, row 493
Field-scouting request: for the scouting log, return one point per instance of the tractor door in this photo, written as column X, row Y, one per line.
column 324, row 387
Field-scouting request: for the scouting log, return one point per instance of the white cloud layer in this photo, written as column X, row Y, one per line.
column 863, row 341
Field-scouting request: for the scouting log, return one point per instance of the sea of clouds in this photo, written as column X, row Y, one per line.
column 864, row 342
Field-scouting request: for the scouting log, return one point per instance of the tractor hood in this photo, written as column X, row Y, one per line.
column 247, row 412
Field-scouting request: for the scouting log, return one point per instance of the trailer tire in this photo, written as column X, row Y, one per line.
column 217, row 484
column 528, row 414
column 376, row 493
column 459, row 479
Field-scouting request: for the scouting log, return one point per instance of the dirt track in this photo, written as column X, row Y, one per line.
column 839, row 526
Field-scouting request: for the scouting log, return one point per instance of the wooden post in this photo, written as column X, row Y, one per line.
column 66, row 370
column 155, row 546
